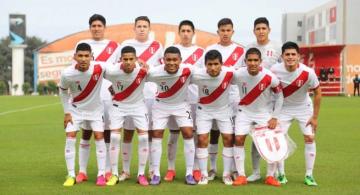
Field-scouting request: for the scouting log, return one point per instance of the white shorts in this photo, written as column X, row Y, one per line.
column 244, row 122
column 205, row 119
column 302, row 116
column 129, row 123
column 95, row 125
column 107, row 106
column 161, row 116
column 172, row 122
column 138, row 115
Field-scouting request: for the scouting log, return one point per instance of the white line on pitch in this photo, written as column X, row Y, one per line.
column 28, row 108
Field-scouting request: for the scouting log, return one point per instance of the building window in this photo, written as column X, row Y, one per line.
column 299, row 23
column 299, row 38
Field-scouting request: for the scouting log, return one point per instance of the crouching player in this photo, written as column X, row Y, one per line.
column 80, row 94
column 128, row 80
column 257, row 85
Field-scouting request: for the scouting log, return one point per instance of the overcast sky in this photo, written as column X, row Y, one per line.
column 51, row 20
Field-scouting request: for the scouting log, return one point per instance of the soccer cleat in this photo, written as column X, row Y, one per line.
column 211, row 175
column 189, row 180
column 282, row 178
column 203, row 180
column 270, row 180
column 124, row 176
column 254, row 177
column 155, row 180
column 234, row 175
column 70, row 181
column 142, row 180
column 114, row 179
column 240, row 180
column 108, row 176
column 100, row 181
column 170, row 175
column 227, row 180
column 197, row 175
column 81, row 177
column 310, row 181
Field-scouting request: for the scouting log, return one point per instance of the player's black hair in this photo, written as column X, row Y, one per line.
column 225, row 21
column 97, row 17
column 253, row 50
column 83, row 47
column 128, row 49
column 144, row 18
column 187, row 22
column 290, row 45
column 261, row 20
column 172, row 49
column 212, row 55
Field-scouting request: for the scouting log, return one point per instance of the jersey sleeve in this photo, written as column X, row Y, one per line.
column 275, row 84
column 313, row 80
column 64, row 93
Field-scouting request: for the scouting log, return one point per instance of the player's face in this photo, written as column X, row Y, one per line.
column 261, row 32
column 291, row 58
column 142, row 29
column 225, row 33
column 97, row 30
column 83, row 59
column 213, row 67
column 128, row 62
column 186, row 34
column 253, row 62
column 172, row 62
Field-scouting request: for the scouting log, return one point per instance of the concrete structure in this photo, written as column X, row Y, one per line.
column 17, row 68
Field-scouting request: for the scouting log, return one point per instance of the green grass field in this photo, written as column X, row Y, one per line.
column 32, row 155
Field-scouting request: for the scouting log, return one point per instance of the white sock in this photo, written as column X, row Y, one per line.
column 227, row 160
column 149, row 158
column 239, row 156
column 196, row 160
column 172, row 149
column 101, row 156
column 108, row 163
column 189, row 151
column 213, row 150
column 126, row 156
column 255, row 157
column 310, row 155
column 84, row 153
column 202, row 155
column 114, row 152
column 281, row 167
column 70, row 153
column 271, row 168
column 143, row 152
column 156, row 150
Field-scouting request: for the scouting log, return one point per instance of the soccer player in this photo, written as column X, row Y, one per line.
column 191, row 54
column 231, row 54
column 172, row 80
column 80, row 84
column 297, row 79
column 128, row 81
column 270, row 54
column 214, row 85
column 149, row 53
column 104, row 50
column 257, row 86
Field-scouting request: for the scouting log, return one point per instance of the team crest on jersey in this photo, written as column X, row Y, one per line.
column 96, row 77
column 183, row 79
column 235, row 56
column 224, row 85
column 109, row 50
column 152, row 50
column 261, row 86
column 194, row 57
column 299, row 83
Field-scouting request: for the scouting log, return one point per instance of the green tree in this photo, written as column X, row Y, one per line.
column 52, row 87
column 26, row 88
column 3, row 88
column 41, row 88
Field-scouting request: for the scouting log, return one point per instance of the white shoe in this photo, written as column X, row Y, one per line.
column 124, row 176
column 211, row 175
column 253, row 177
column 203, row 181
column 227, row 180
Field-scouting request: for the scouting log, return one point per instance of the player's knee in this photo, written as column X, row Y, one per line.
column 86, row 135
column 157, row 133
column 187, row 133
column 309, row 139
column 202, row 141
column 71, row 134
column 240, row 140
column 128, row 135
column 228, row 140
column 98, row 135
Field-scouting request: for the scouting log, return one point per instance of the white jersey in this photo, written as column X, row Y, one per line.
column 151, row 52
column 192, row 55
column 172, row 88
column 296, row 84
column 84, row 89
column 104, row 51
column 270, row 53
column 127, row 87
column 256, row 91
column 213, row 91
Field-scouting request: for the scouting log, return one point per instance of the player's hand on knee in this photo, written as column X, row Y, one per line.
column 67, row 119
column 272, row 123
column 313, row 122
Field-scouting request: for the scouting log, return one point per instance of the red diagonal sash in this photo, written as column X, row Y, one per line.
column 96, row 75
column 296, row 84
column 107, row 52
column 150, row 51
column 234, row 56
column 178, row 84
column 132, row 87
column 194, row 56
column 256, row 91
column 218, row 91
